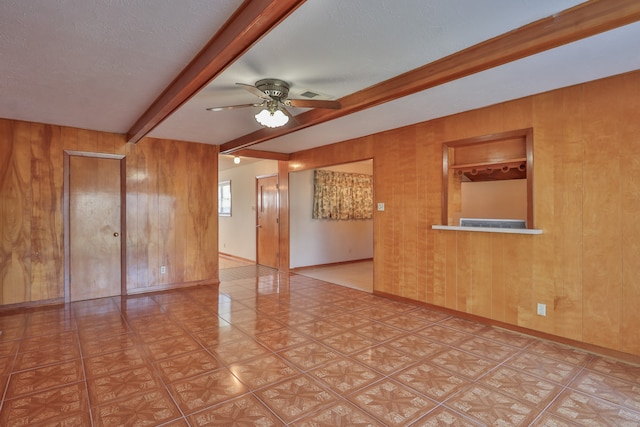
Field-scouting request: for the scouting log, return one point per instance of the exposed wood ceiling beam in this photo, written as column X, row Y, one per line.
column 584, row 20
column 259, row 154
column 252, row 21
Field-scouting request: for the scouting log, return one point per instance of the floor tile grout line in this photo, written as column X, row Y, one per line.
column 39, row 366
column 569, row 387
column 381, row 380
column 9, row 375
column 606, row 375
column 549, row 405
column 504, row 363
column 84, row 374
column 257, row 397
column 207, row 408
column 148, row 361
column 383, row 377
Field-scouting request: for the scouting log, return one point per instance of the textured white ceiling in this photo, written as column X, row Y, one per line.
column 98, row 64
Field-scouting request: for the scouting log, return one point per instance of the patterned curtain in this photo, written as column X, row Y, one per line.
column 341, row 195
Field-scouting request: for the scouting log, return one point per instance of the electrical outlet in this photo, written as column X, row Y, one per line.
column 542, row 309
column 163, row 269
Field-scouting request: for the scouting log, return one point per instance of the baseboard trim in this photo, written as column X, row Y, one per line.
column 236, row 258
column 8, row 308
column 590, row 348
column 172, row 286
column 34, row 305
column 331, row 264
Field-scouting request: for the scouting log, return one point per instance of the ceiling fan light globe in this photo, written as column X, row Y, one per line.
column 272, row 119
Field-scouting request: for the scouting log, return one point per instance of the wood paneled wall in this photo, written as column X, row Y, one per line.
column 172, row 213
column 170, row 209
column 584, row 266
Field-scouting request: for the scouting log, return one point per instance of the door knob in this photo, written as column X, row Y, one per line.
column 116, row 234
column 258, row 226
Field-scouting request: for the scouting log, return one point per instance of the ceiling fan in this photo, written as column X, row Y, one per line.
column 274, row 94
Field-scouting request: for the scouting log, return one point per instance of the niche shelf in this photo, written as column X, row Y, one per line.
column 500, row 156
column 493, row 171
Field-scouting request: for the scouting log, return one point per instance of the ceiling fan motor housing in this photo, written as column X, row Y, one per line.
column 277, row 89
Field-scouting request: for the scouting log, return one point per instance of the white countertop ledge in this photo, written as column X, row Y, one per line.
column 488, row 229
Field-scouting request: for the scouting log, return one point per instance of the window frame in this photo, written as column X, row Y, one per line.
column 223, row 209
column 448, row 159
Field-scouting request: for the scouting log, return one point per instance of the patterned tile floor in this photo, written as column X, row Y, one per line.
column 280, row 350
column 230, row 261
column 356, row 275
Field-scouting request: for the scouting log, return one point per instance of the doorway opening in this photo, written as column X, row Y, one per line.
column 237, row 230
column 337, row 251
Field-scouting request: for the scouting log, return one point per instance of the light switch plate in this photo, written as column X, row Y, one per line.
column 380, row 206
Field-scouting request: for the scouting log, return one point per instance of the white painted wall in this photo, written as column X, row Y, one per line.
column 321, row 241
column 237, row 233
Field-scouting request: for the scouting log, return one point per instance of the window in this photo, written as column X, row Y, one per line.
column 224, row 198
column 342, row 195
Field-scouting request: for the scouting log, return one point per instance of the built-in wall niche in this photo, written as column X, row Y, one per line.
column 488, row 177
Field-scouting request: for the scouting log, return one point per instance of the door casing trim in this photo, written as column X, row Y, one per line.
column 66, row 217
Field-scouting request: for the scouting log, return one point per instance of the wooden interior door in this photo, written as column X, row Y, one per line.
column 95, row 252
column 267, row 223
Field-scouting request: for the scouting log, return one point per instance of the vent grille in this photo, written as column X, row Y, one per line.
column 309, row 94
column 493, row 223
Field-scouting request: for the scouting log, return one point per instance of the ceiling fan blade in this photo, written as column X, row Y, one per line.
column 313, row 103
column 292, row 118
column 254, row 90
column 231, row 107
